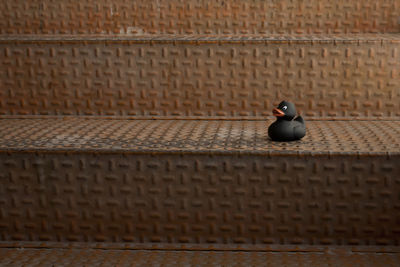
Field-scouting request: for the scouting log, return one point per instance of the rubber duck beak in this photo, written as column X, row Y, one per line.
column 277, row 112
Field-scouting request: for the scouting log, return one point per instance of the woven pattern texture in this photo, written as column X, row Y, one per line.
column 201, row 77
column 195, row 198
column 198, row 16
column 110, row 154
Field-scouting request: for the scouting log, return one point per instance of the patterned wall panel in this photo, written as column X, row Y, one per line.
column 189, row 198
column 217, row 77
column 198, row 16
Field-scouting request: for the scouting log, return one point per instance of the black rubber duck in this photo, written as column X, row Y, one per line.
column 285, row 128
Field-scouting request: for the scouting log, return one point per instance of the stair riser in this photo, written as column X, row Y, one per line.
column 179, row 198
column 203, row 78
column 199, row 17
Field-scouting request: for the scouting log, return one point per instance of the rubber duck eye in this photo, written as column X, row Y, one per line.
column 284, row 108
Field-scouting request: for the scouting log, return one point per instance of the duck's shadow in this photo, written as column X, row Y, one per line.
column 304, row 142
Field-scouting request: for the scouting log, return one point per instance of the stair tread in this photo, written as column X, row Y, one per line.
column 368, row 37
column 197, row 136
column 113, row 257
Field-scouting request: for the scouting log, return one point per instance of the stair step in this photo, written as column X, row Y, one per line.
column 317, row 257
column 200, row 76
column 199, row 16
column 192, row 181
column 105, row 134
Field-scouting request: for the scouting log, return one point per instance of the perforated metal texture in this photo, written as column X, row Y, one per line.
column 97, row 257
column 199, row 136
column 198, row 16
column 193, row 76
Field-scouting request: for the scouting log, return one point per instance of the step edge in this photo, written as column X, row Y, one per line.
column 198, row 39
column 212, row 152
column 200, row 247
column 191, row 118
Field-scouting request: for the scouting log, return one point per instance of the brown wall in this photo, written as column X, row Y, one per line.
column 199, row 16
column 199, row 77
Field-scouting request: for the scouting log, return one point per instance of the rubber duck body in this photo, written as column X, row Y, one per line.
column 286, row 128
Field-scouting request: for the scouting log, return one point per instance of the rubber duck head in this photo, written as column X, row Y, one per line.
column 285, row 111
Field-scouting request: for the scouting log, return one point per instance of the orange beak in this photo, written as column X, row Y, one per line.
column 277, row 112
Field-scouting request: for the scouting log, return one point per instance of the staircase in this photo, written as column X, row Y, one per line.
column 135, row 133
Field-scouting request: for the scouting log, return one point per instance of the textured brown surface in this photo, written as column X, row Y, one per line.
column 199, row 16
column 97, row 257
column 326, row 76
column 82, row 134
column 112, row 191
column 334, row 199
column 180, row 181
